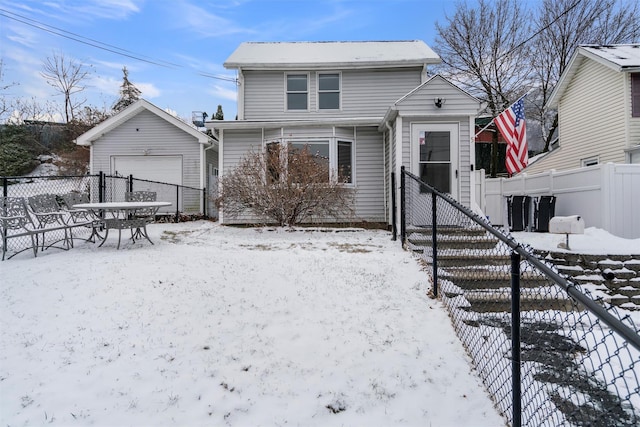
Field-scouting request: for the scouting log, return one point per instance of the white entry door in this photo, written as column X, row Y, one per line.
column 435, row 155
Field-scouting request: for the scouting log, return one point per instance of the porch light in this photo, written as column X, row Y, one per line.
column 439, row 102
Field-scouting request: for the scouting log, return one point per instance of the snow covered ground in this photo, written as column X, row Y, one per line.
column 229, row 326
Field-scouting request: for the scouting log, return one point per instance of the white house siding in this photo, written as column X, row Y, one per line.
column 364, row 93
column 591, row 119
column 148, row 132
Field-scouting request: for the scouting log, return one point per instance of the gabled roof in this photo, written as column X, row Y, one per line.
column 393, row 110
column 344, row 55
column 619, row 58
column 132, row 110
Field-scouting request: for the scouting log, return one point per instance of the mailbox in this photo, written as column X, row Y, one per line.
column 573, row 224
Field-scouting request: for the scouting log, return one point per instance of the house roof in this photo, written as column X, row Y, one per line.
column 347, row 54
column 112, row 122
column 620, row 58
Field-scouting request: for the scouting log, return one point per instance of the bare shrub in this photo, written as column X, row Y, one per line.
column 286, row 186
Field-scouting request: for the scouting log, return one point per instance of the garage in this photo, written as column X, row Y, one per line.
column 152, row 145
column 167, row 169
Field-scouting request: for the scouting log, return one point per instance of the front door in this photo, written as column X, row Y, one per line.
column 435, row 155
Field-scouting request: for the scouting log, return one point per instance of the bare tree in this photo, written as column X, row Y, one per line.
column 285, row 186
column 68, row 77
column 480, row 50
column 562, row 26
column 6, row 106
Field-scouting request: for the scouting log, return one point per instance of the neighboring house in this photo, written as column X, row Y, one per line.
column 368, row 106
column 147, row 142
column 598, row 103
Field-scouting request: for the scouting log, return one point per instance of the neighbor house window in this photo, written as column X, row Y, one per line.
column 635, row 94
column 591, row 161
column 297, row 92
column 329, row 91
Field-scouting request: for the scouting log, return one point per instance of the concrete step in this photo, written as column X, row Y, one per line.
column 446, row 242
column 467, row 278
column 447, row 230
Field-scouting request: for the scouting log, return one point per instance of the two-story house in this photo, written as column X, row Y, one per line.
column 598, row 103
column 370, row 107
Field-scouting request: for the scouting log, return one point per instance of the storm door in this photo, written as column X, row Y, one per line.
column 435, row 155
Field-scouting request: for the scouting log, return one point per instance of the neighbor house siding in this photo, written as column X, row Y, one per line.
column 146, row 132
column 591, row 119
column 364, row 93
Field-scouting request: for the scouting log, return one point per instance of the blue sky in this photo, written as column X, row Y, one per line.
column 189, row 37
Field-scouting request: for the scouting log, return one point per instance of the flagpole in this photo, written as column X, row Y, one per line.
column 493, row 119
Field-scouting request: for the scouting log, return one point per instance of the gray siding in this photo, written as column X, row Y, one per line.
column 146, row 131
column 368, row 168
column 369, row 180
column 364, row 93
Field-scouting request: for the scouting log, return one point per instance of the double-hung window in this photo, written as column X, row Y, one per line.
column 297, row 92
column 328, row 91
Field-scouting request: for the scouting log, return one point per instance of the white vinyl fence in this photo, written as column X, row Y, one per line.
column 606, row 196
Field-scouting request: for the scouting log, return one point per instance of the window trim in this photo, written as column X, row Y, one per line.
column 338, row 91
column 590, row 161
column 287, row 92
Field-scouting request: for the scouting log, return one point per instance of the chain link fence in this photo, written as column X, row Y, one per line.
column 186, row 202
column 547, row 350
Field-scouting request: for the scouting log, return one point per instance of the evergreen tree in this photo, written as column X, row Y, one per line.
column 129, row 93
column 219, row 114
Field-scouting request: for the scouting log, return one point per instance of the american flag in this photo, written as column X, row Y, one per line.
column 513, row 127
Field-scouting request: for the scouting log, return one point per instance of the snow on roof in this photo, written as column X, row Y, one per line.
column 279, row 55
column 621, row 55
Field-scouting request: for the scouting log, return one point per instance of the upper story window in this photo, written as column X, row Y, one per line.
column 297, row 92
column 635, row 94
column 329, row 91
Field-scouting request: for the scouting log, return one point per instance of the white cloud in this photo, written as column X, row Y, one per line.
column 108, row 9
column 149, row 91
column 204, row 23
column 224, row 92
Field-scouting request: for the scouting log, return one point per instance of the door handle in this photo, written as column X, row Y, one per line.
column 456, row 173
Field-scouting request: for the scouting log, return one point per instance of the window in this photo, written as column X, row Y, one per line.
column 345, row 161
column 329, row 91
column 435, row 160
column 635, row 94
column 297, row 92
column 337, row 155
column 318, row 149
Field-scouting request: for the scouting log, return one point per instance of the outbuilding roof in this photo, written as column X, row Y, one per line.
column 112, row 122
column 346, row 54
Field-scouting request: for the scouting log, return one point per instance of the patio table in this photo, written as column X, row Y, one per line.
column 122, row 215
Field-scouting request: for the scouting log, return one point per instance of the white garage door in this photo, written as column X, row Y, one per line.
column 153, row 168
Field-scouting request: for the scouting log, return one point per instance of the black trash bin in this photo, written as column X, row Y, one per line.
column 518, row 212
column 545, row 209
